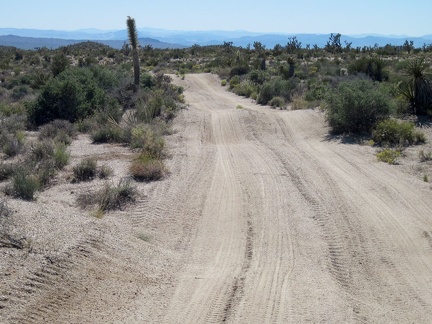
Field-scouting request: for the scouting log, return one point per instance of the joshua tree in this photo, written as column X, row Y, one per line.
column 133, row 40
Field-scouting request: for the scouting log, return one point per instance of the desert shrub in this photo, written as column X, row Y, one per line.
column 277, row 102
column 373, row 67
column 20, row 92
column 24, row 184
column 356, row 105
column 317, row 90
column 146, row 168
column 223, row 83
column 277, row 87
column 147, row 80
column 107, row 133
column 257, row 76
column 239, row 70
column 72, row 95
column 105, row 171
column 389, row 156
column 423, row 156
column 85, row 170
column 246, row 88
column 59, row 130
column 42, row 150
column 61, row 156
column 393, row 132
column 110, row 197
column 6, row 171
column 234, row 82
column 12, row 123
column 147, row 138
column 11, row 144
column 299, row 102
column 8, row 110
column 116, row 197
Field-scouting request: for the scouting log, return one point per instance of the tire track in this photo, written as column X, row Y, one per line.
column 47, row 289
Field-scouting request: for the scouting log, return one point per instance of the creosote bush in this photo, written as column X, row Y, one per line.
column 356, row 106
column 392, row 132
column 24, row 184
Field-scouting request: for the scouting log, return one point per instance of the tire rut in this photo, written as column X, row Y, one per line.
column 47, row 289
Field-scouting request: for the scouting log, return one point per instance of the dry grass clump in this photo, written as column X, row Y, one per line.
column 85, row 170
column 110, row 197
column 146, row 168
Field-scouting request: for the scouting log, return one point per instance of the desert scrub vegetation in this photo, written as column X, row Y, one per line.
column 389, row 156
column 110, row 196
column 85, row 170
column 392, row 132
column 145, row 167
column 349, row 110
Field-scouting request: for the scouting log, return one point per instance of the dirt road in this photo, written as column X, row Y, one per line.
column 294, row 227
column 264, row 219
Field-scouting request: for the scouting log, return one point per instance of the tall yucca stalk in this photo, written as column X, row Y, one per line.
column 133, row 40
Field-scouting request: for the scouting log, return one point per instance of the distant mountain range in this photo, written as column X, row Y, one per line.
column 160, row 38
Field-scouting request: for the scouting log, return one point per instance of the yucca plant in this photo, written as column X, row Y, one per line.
column 133, row 40
column 417, row 88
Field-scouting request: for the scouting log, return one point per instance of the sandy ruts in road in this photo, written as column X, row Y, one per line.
column 297, row 228
column 263, row 219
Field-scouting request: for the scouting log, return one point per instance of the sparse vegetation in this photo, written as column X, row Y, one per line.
column 110, row 197
column 425, row 156
column 389, row 156
column 86, row 170
column 147, row 168
column 392, row 132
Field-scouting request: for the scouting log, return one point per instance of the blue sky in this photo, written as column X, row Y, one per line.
column 408, row 17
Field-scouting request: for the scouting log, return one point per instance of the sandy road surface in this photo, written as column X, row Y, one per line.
column 264, row 219
column 297, row 228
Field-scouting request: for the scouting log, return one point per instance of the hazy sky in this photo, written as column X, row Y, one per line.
column 400, row 17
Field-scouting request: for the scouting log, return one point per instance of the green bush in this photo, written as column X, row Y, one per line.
column 73, row 95
column 356, row 106
column 277, row 87
column 393, row 132
column 389, row 156
column 61, row 156
column 149, row 140
column 277, row 102
column 85, row 170
column 246, row 88
column 107, row 133
column 24, row 184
